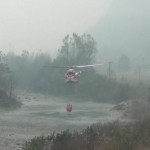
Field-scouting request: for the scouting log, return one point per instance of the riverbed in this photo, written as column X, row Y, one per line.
column 42, row 114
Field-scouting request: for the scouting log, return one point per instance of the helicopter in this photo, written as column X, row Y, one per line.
column 72, row 76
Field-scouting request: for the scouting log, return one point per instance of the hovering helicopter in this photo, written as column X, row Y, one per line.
column 72, row 76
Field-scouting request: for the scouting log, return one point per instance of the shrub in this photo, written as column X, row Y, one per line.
column 109, row 136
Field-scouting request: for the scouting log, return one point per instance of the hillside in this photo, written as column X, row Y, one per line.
column 124, row 30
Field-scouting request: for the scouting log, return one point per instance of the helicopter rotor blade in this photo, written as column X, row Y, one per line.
column 84, row 66
column 80, row 66
column 56, row 66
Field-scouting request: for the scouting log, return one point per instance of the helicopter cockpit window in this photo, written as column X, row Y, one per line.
column 71, row 73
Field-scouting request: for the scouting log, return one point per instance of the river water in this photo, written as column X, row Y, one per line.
column 43, row 114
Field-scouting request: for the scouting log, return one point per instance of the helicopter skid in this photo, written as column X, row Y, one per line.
column 71, row 80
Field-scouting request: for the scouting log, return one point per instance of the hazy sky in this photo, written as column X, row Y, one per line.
column 42, row 24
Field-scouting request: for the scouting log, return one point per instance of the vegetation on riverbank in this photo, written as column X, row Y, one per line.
column 8, row 100
column 108, row 136
column 33, row 71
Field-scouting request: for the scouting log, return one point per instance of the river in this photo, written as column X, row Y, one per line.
column 42, row 114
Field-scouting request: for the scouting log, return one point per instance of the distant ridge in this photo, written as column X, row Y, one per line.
column 125, row 29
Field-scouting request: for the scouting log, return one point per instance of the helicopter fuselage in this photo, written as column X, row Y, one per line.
column 72, row 76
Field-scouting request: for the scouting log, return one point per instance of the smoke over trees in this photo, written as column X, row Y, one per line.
column 124, row 64
column 77, row 50
column 34, row 72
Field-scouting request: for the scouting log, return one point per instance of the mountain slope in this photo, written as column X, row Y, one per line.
column 125, row 29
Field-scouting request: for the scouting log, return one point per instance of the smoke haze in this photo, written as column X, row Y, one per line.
column 35, row 24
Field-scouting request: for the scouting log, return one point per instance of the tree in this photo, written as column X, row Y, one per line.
column 77, row 50
column 4, row 73
column 124, row 63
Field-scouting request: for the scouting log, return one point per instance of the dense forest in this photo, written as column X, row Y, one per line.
column 7, row 98
column 35, row 72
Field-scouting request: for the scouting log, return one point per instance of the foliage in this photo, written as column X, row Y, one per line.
column 4, row 72
column 138, row 109
column 35, row 72
column 124, row 92
column 77, row 50
column 124, row 64
column 108, row 136
column 7, row 99
column 39, row 143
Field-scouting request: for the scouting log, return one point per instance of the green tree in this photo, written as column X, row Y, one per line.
column 124, row 64
column 77, row 50
column 4, row 73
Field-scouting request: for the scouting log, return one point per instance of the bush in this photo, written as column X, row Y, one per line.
column 109, row 136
